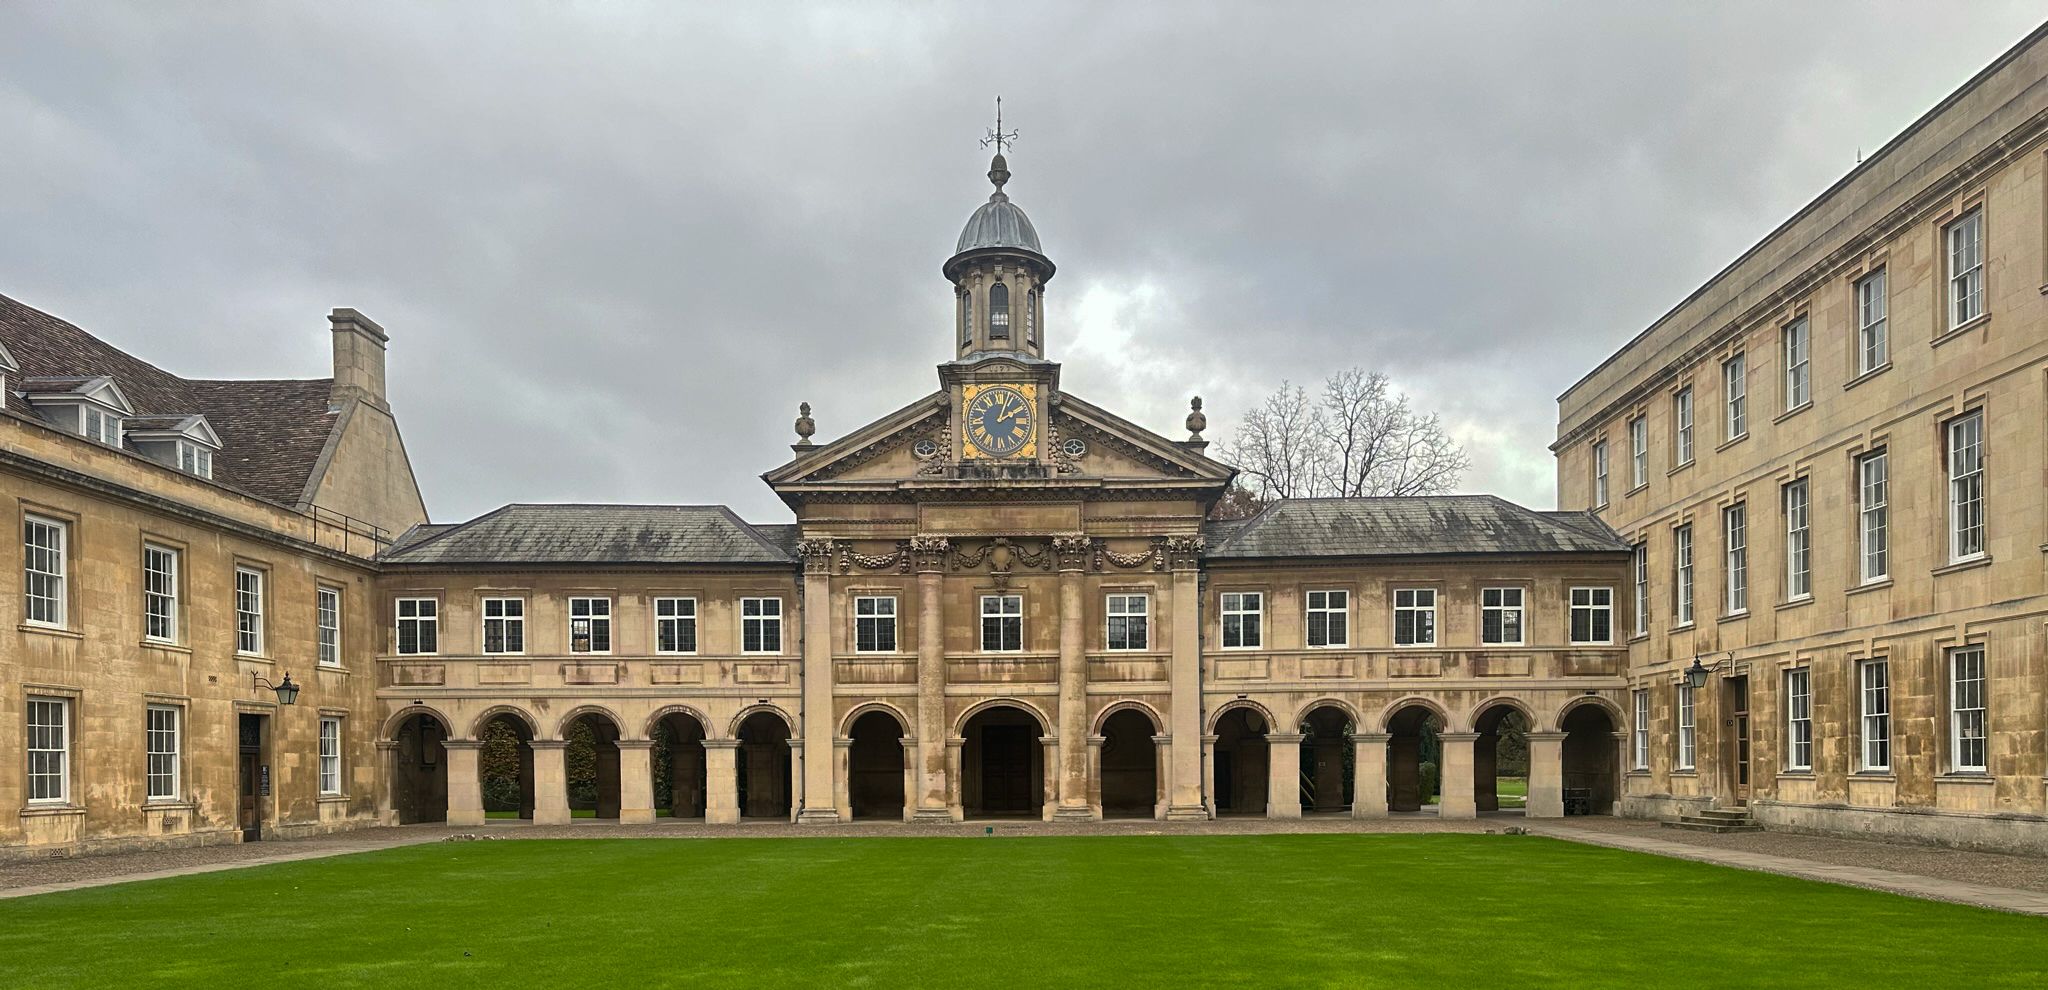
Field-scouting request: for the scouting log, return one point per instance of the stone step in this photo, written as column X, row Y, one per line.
column 1692, row 824
column 1737, row 815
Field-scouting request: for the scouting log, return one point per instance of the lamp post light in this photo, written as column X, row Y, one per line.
column 1696, row 675
column 287, row 692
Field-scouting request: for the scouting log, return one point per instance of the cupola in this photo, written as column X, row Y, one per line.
column 999, row 271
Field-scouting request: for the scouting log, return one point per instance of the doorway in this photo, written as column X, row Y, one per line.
column 1002, row 764
column 255, row 774
column 1735, row 694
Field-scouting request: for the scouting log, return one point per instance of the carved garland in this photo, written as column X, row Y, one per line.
column 899, row 559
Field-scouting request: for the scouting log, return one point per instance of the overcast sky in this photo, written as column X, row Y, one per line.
column 616, row 245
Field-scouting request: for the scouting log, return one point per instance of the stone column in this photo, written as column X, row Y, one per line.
column 842, row 774
column 1191, row 749
column 1455, row 798
column 387, row 795
column 935, row 797
column 1546, row 775
column 1095, row 774
column 1162, row 771
column 813, row 778
column 1072, row 774
column 1369, row 770
column 909, row 777
column 1049, row 799
column 550, row 782
column 1208, row 780
column 1283, row 774
column 797, row 762
column 465, row 788
column 721, row 782
column 636, row 781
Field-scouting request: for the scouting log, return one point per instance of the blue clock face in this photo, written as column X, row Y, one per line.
column 999, row 421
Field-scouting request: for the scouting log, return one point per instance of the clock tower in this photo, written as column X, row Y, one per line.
column 999, row 385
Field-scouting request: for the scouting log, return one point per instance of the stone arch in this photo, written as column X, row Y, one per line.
column 518, row 714
column 562, row 724
column 732, row 728
column 1492, row 723
column 846, row 724
column 1386, row 717
column 1613, row 711
column 1528, row 713
column 1350, row 711
column 401, row 716
column 703, row 722
column 1216, row 717
column 1128, row 705
column 1044, row 724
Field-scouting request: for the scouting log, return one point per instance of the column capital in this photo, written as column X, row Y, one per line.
column 1072, row 550
column 1463, row 737
column 955, row 743
column 928, row 552
column 1210, row 738
column 635, row 744
column 1373, row 738
column 1097, row 741
column 539, row 744
column 386, row 745
column 462, row 744
column 817, row 555
column 1546, row 736
column 1295, row 737
column 1163, row 739
column 842, row 742
column 721, row 743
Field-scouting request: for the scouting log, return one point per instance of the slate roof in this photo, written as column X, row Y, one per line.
column 597, row 534
column 1417, row 526
column 271, row 431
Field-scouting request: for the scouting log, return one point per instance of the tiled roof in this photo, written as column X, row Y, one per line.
column 1417, row 526
column 271, row 432
column 597, row 534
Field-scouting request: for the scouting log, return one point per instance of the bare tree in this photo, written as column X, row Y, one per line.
column 1360, row 436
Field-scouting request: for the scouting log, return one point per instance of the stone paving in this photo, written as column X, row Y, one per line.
column 2006, row 883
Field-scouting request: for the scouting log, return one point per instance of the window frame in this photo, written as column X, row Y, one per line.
column 1798, row 686
column 1872, row 308
column 1735, row 397
column 1640, row 564
column 684, row 623
column 1639, row 729
column 1798, row 539
column 160, row 592
column 1686, row 736
column 421, row 622
column 1417, row 613
column 1639, row 452
column 1681, row 427
column 1257, row 614
column 1520, row 610
column 1600, row 474
column 511, row 629
column 1981, row 682
column 251, row 623
column 1117, row 605
column 1006, row 618
column 59, row 580
column 1335, row 619
column 1594, row 609
column 1967, row 285
column 1682, row 575
column 1873, row 515
column 327, row 626
column 598, row 624
column 1967, row 517
column 1735, row 559
column 172, row 760
column 877, row 621
column 62, row 752
column 762, row 621
column 1874, row 715
column 1797, row 352
column 330, row 760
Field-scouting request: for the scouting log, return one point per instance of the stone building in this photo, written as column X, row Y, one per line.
column 180, row 544
column 1829, row 462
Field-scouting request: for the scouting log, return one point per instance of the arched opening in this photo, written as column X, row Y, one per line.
column 419, row 784
column 1414, row 759
column 1130, row 766
column 764, row 779
column 999, row 312
column 1241, row 763
column 1327, row 774
column 874, row 766
column 678, row 758
column 966, row 318
column 1591, row 761
column 504, row 767
column 592, row 759
column 1031, row 317
column 1500, row 759
column 1002, row 764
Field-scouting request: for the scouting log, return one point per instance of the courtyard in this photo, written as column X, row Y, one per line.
column 1330, row 909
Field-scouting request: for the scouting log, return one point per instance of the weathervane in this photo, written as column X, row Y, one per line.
column 999, row 137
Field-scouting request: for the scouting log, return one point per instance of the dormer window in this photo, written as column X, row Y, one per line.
column 999, row 312
column 195, row 460
column 101, row 427
column 184, row 442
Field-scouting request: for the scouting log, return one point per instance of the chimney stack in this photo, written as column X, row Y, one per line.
column 358, row 359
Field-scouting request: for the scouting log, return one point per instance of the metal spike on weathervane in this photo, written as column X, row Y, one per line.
column 998, row 136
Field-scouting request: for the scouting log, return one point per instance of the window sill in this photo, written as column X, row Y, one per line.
column 1878, row 584
column 1732, row 441
column 166, row 646
column 169, row 804
column 1866, row 376
column 1415, row 646
column 1965, row 777
column 54, row 809
column 1686, row 626
column 330, row 668
column 1641, row 637
column 1983, row 560
column 1639, row 772
column 423, row 656
column 1874, row 776
column 1633, row 491
column 1686, row 772
column 1794, row 603
column 331, row 799
column 1796, row 775
column 1735, row 616
column 254, row 658
column 1975, row 322
column 1521, row 645
column 1674, row 471
column 1794, row 411
column 58, row 631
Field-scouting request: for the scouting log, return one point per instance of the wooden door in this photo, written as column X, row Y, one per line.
column 1006, row 769
column 1737, row 744
column 251, row 796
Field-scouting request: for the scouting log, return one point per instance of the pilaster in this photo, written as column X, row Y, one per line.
column 721, row 781
column 465, row 787
column 933, row 797
column 636, row 781
column 1546, row 775
column 1369, row 773
column 550, row 782
column 813, row 776
column 1455, row 800
column 1283, row 774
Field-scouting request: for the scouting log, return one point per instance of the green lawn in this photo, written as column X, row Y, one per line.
column 1276, row 910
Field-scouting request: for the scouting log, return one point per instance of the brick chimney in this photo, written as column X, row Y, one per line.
column 358, row 359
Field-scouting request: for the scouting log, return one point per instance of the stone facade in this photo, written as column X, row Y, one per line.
column 1963, row 185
